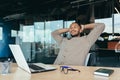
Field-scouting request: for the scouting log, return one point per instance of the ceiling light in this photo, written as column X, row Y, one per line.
column 117, row 10
column 14, row 16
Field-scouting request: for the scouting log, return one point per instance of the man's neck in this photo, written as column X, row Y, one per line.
column 76, row 36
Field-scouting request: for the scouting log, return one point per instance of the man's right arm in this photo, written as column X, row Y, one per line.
column 61, row 31
column 57, row 34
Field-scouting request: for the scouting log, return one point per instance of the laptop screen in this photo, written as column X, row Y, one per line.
column 19, row 57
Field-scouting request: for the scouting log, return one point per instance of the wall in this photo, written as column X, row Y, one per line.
column 7, row 39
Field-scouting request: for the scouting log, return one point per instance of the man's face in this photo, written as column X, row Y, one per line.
column 74, row 29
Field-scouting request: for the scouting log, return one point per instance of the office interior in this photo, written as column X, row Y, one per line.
column 30, row 23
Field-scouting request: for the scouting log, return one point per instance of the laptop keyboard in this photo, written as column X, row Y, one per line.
column 35, row 67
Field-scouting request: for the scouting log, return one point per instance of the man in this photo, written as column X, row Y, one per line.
column 74, row 51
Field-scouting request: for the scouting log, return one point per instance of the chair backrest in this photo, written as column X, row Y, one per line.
column 87, row 59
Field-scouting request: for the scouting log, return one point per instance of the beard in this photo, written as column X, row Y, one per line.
column 76, row 35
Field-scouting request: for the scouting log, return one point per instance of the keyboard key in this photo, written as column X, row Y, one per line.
column 35, row 67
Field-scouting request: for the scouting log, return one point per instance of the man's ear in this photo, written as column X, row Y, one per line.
column 82, row 28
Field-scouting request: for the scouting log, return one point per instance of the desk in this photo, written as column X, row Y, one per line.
column 85, row 74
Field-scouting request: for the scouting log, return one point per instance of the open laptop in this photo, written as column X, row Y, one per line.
column 29, row 67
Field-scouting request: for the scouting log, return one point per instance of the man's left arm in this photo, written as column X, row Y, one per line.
column 96, row 30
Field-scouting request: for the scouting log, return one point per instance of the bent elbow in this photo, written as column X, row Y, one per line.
column 101, row 25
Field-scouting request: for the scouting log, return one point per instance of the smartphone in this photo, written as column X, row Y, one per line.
column 69, row 36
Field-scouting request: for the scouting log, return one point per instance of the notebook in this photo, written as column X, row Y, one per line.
column 103, row 72
column 29, row 67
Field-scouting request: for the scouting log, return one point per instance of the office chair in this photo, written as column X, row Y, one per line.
column 87, row 59
column 90, row 59
column 91, row 56
column 117, row 47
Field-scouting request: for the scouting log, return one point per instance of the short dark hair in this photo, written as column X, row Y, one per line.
column 78, row 24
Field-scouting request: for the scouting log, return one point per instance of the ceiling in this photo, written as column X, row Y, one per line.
column 56, row 8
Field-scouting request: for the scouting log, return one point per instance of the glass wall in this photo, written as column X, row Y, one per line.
column 28, row 33
column 51, row 26
column 13, row 33
column 39, row 32
column 117, row 23
column 107, row 22
column 67, row 23
column 50, row 44
column 37, row 40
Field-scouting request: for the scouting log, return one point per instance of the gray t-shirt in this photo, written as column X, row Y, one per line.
column 75, row 50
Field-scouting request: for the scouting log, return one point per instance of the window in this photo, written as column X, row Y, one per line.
column 51, row 47
column 51, row 26
column 107, row 22
column 67, row 23
column 13, row 33
column 116, row 23
column 39, row 32
column 20, row 34
column 28, row 33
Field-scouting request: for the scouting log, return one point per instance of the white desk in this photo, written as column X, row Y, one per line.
column 85, row 74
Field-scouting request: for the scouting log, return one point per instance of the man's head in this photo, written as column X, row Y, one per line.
column 75, row 29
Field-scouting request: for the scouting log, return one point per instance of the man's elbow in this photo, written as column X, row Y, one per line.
column 55, row 33
column 101, row 25
column 52, row 33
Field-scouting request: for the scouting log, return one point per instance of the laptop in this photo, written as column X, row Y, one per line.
column 29, row 67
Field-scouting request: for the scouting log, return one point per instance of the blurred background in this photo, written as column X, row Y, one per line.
column 29, row 23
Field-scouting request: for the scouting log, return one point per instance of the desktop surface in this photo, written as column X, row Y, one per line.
column 86, row 73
